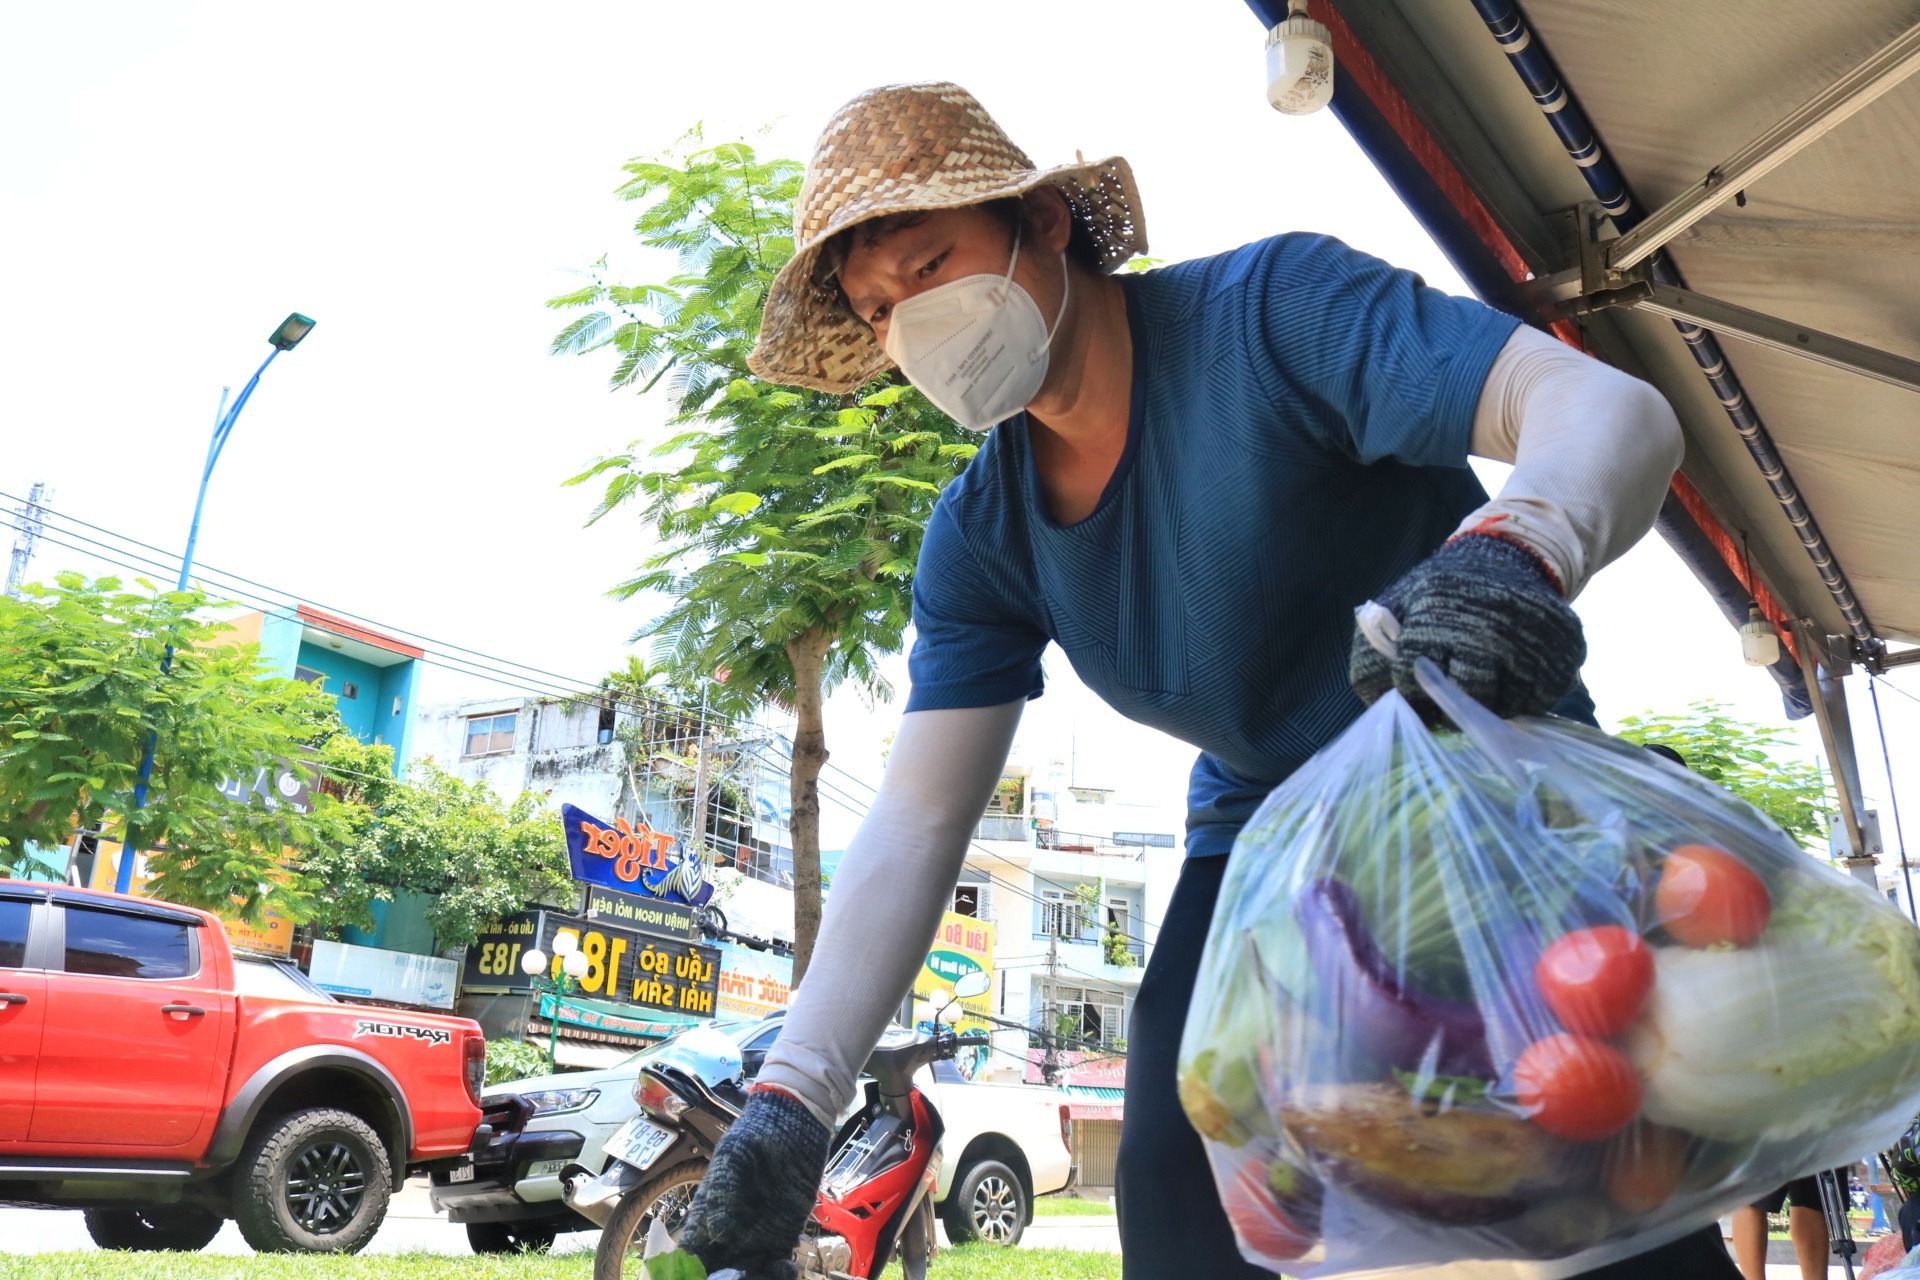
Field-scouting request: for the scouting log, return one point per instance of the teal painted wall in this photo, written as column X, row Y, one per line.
column 360, row 714
column 394, row 716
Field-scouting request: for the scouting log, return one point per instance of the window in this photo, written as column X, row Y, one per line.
column 974, row 900
column 753, row 1054
column 491, row 735
column 604, row 729
column 1062, row 914
column 309, row 675
column 349, row 690
column 14, row 915
column 1085, row 1013
column 123, row 946
column 1117, row 915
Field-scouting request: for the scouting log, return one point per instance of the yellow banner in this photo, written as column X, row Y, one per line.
column 963, row 945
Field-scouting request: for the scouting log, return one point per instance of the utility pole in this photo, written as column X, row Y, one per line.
column 32, row 520
column 702, row 758
column 1049, row 1043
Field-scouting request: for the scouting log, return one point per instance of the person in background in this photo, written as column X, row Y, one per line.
column 1807, row 1225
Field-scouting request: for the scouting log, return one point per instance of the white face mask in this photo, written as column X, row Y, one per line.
column 977, row 347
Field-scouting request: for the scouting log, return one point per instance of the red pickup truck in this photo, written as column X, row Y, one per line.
column 163, row 1084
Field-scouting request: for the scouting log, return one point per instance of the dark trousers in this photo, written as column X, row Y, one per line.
column 1171, row 1223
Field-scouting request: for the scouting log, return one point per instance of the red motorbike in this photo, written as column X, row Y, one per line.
column 876, row 1197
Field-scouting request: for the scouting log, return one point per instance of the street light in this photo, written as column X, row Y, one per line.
column 285, row 338
column 573, row 966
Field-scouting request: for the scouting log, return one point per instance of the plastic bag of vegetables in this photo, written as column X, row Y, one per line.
column 1521, row 1000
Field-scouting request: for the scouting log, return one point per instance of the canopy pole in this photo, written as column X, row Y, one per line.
column 1893, row 796
column 1530, row 62
column 1836, row 736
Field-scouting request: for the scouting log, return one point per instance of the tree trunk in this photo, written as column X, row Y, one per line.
column 808, row 654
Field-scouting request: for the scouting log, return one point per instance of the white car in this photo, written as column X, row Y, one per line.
column 1004, row 1144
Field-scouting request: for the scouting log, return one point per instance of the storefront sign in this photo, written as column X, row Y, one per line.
column 374, row 974
column 633, row 859
column 753, row 983
column 640, row 969
column 493, row 961
column 608, row 906
column 963, row 945
column 624, row 966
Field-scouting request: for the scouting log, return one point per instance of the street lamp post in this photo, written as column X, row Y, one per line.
column 573, row 965
column 285, row 338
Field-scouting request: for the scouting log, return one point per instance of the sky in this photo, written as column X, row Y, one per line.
column 420, row 178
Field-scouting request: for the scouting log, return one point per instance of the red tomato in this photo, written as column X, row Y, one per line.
column 1576, row 1087
column 1706, row 896
column 1257, row 1218
column 1596, row 980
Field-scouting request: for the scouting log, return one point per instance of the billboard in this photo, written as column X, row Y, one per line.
column 633, row 859
column 962, row 945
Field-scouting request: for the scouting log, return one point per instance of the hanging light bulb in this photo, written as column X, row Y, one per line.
column 1759, row 642
column 1299, row 63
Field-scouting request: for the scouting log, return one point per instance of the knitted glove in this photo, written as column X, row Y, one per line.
column 752, row 1205
column 1485, row 611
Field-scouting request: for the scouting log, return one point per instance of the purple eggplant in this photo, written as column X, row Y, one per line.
column 1367, row 1004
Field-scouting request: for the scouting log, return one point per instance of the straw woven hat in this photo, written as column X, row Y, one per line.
column 895, row 149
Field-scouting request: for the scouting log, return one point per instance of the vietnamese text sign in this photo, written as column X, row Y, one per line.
column 493, row 961
column 639, row 968
column 631, row 911
column 962, row 945
column 752, row 983
column 375, row 974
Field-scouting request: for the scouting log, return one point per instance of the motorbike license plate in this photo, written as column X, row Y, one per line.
column 461, row 1173
column 639, row 1143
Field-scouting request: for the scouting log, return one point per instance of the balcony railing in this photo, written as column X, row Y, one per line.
column 1001, row 826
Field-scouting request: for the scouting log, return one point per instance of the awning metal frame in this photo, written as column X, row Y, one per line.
column 1814, row 119
column 1596, row 285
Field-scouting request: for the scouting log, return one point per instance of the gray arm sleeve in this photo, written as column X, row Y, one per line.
column 893, row 883
column 1592, row 448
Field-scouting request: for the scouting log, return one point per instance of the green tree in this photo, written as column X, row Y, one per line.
column 789, row 521
column 434, row 834
column 81, row 690
column 1747, row 760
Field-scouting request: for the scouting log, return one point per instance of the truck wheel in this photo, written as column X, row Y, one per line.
column 316, row 1181
column 174, row 1226
column 511, row 1237
column 666, row 1196
column 988, row 1203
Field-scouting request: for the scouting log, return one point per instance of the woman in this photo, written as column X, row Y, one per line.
column 1192, row 479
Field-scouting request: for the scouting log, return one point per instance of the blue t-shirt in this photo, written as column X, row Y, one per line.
column 1297, row 440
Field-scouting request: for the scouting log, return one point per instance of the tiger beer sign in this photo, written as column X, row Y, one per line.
column 633, row 858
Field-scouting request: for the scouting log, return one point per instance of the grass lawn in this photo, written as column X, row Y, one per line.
column 976, row 1262
column 1071, row 1207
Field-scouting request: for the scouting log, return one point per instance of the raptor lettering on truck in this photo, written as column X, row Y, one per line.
column 401, row 1031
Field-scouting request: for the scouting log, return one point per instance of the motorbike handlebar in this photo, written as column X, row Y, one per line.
column 975, row 1038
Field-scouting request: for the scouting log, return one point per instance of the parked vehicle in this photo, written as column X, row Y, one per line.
column 509, row 1194
column 876, row 1198
column 157, row 1081
column 1006, row 1144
